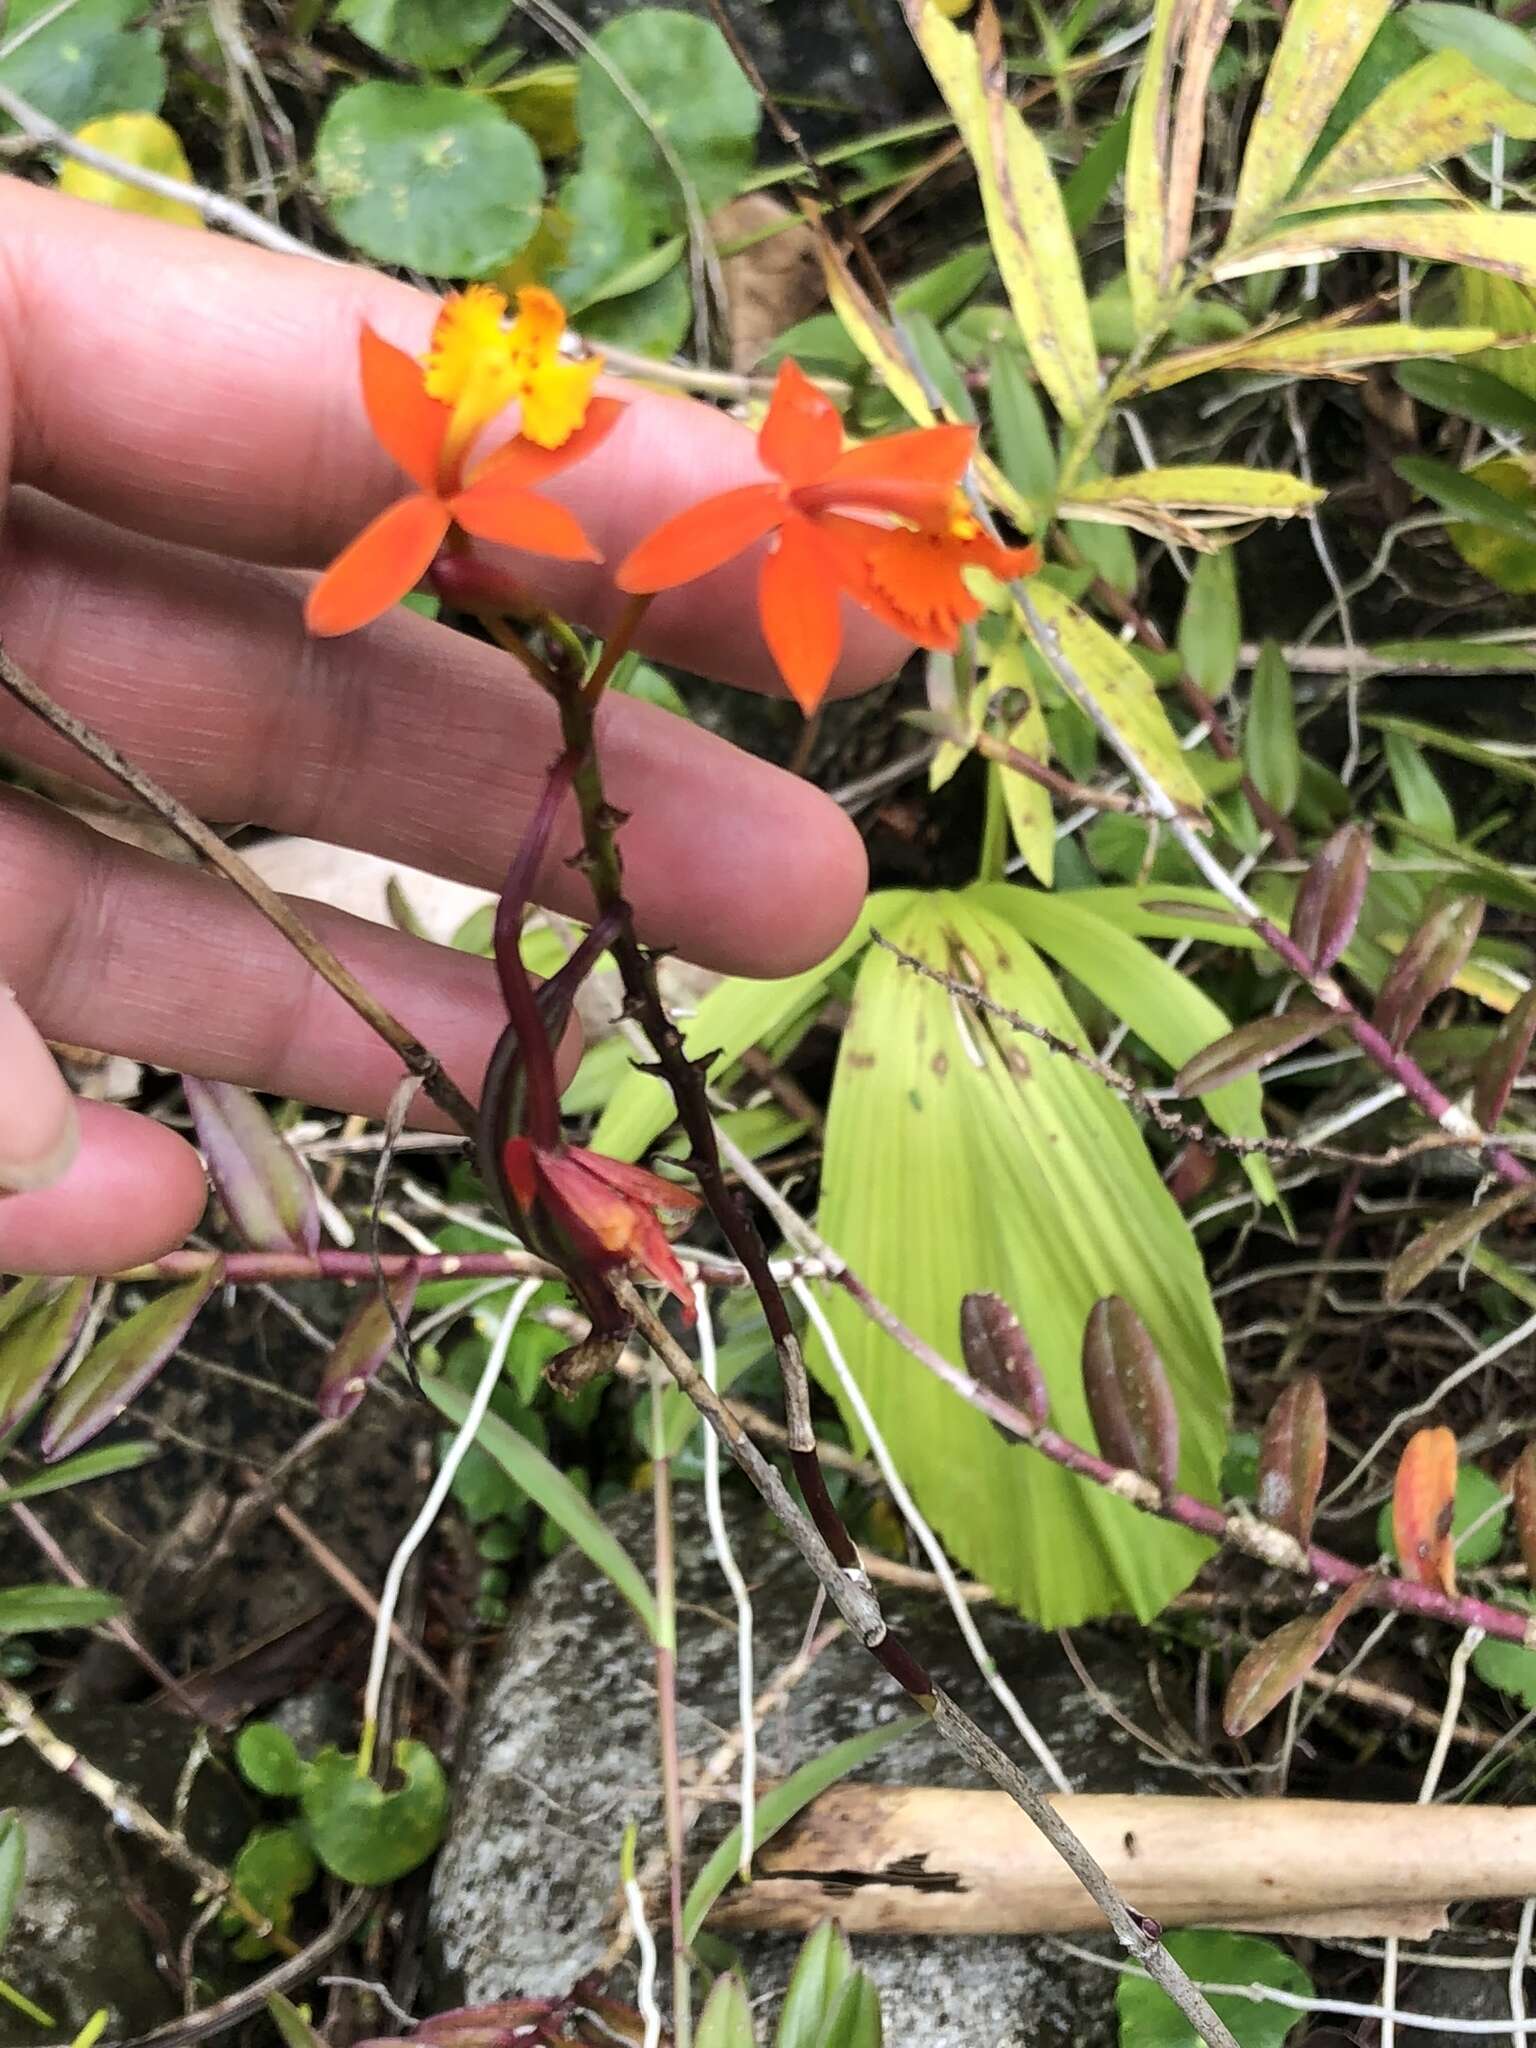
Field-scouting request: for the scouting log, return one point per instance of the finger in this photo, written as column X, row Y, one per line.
column 116, row 949
column 132, row 1192
column 233, row 420
column 38, row 1128
column 411, row 741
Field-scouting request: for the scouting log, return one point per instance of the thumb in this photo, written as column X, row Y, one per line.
column 39, row 1132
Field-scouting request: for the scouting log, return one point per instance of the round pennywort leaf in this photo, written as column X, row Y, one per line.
column 659, row 94
column 428, row 177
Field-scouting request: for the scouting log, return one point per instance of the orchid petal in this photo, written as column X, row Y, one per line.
column 701, row 539
column 797, row 596
column 495, row 510
column 638, row 1182
column 523, row 462
column 388, row 558
column 803, row 434
column 926, row 455
column 406, row 423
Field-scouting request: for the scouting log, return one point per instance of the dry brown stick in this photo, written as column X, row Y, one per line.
column 356, row 1591
column 128, row 1812
column 412, row 1054
column 114, row 1625
column 850, row 1592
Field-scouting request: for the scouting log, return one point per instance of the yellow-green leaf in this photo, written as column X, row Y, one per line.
column 1510, row 310
column 1019, row 1174
column 1505, row 557
column 1322, row 42
column 1146, row 195
column 1095, row 665
column 149, row 144
column 1026, row 221
column 1441, row 107
column 1203, row 487
column 1319, row 348
column 1501, row 242
column 1027, row 804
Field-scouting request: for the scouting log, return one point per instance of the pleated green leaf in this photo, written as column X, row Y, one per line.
column 1161, row 1005
column 963, row 1156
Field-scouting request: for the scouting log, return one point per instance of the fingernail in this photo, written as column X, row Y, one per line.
column 39, row 1129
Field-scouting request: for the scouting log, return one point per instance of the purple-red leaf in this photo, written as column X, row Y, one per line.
column 1424, row 1509
column 363, row 1346
column 1250, row 1047
column 114, row 1371
column 1524, row 1488
column 1291, row 1458
column 36, row 1343
column 1000, row 1356
column 1273, row 1669
column 1503, row 1063
column 261, row 1180
column 1426, row 967
column 1416, row 1261
column 1129, row 1398
column 1327, row 906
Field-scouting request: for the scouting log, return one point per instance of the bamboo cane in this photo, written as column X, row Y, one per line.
column 887, row 1859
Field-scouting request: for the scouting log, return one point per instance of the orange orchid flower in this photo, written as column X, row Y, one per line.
column 428, row 415
column 603, row 1210
column 884, row 523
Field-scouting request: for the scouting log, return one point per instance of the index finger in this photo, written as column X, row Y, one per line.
column 195, row 389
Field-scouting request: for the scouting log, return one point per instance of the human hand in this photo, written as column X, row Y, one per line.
column 181, row 426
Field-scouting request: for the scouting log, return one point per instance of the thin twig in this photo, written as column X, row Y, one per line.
column 129, row 1813
column 413, row 1055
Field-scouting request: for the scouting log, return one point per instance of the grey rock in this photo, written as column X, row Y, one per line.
column 561, row 1752
column 82, row 1937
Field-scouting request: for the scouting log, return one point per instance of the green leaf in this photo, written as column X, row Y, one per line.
column 726, row 2021
column 428, row 35
column 1028, row 805
column 1148, row 2018
column 939, row 293
column 1115, row 681
column 1510, row 310
column 606, row 226
column 293, row 2028
column 653, row 321
column 1024, row 449
column 1471, row 394
column 13, row 1872
column 1084, row 193
column 78, row 1471
column 428, row 177
column 823, row 1967
column 1508, row 1667
column 653, row 73
column 1491, row 757
column 1501, row 543
column 1476, row 1495
column 938, row 366
column 84, row 63
column 1159, row 1003
column 26, row 1609
column 366, row 1835
column 1270, row 749
column 118, row 1368
column 1319, row 47
column 36, row 1345
column 1469, row 495
column 1424, row 803
column 275, row 1867
column 268, row 1760
column 1211, row 625
column 1497, row 47
column 778, row 1806
column 546, row 1484
column 854, row 2021
column 734, row 1015
column 951, row 1131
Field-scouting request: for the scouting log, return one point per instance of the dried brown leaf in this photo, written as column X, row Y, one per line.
column 1424, row 1507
